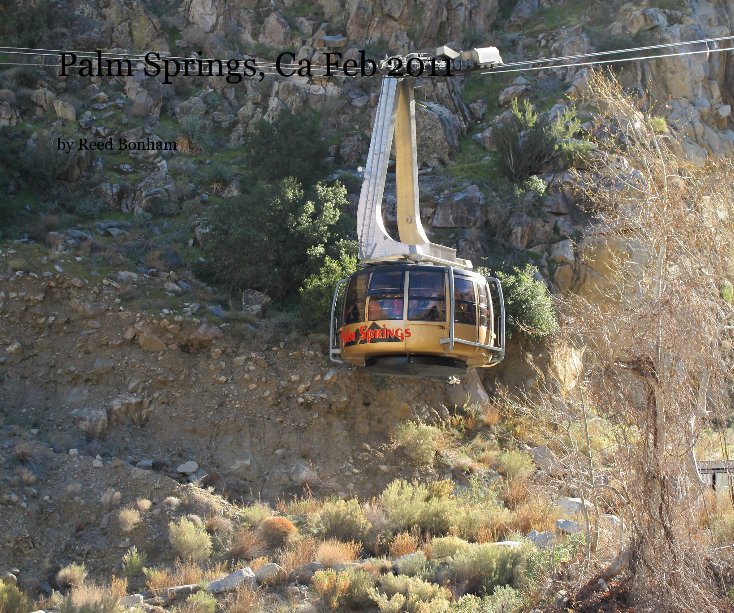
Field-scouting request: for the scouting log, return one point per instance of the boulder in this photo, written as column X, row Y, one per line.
column 44, row 98
column 521, row 14
column 567, row 526
column 571, row 506
column 9, row 115
column 204, row 335
column 275, row 32
column 150, row 342
column 542, row 540
column 255, row 303
column 203, row 13
column 547, row 461
column 188, row 468
column 64, row 110
column 146, row 95
column 130, row 409
column 240, row 577
column 512, row 92
column 93, row 422
column 464, row 209
column 270, row 574
column 562, row 252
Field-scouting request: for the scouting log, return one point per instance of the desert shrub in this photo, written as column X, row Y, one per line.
column 402, row 544
column 128, row 519
column 284, row 241
column 254, row 514
column 133, row 562
column 483, row 567
column 332, row 586
column 504, row 599
column 247, row 544
column 658, row 124
column 182, row 573
column 448, row 547
column 360, row 585
column 547, row 562
column 528, row 305
column 72, row 575
column 42, row 163
column 332, row 552
column 527, row 141
column 90, row 599
column 12, row 600
column 218, row 175
column 410, row 505
column 515, row 464
column 189, row 541
column 243, row 600
column 276, row 531
column 534, row 514
column 419, row 441
column 343, row 520
column 196, row 130
column 201, row 602
column 298, row 552
column 143, row 505
column 317, row 290
column 417, row 593
column 219, row 525
column 89, row 208
column 484, row 522
column 413, row 565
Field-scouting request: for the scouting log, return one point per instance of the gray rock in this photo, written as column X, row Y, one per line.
column 541, row 540
column 571, row 506
column 9, row 579
column 270, row 574
column 130, row 409
column 567, row 526
column 125, row 276
column 301, row 474
column 93, row 422
column 64, row 110
column 182, row 591
column 255, row 303
column 242, row 576
column 511, row 93
column 131, row 600
column 509, row 544
column 547, row 461
column 43, row 98
column 188, row 468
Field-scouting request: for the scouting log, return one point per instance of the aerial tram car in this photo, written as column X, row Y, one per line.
column 412, row 308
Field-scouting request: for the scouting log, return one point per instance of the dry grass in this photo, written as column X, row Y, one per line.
column 72, row 575
column 25, row 452
column 118, row 587
column 143, row 505
column 333, row 552
column 26, row 476
column 182, row 573
column 299, row 552
column 535, row 514
column 128, row 519
column 276, row 531
column 171, row 503
column 259, row 562
column 110, row 499
column 219, row 525
column 89, row 596
column 514, row 492
column 244, row 600
column 307, row 505
column 247, row 545
column 492, row 414
column 402, row 544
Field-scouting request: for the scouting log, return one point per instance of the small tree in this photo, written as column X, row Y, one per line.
column 272, row 238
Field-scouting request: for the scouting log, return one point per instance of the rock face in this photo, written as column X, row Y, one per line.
column 93, row 422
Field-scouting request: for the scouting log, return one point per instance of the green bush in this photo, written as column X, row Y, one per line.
column 417, row 594
column 527, row 141
column 332, row 586
column 482, row 568
column 318, row 289
column 195, row 128
column 273, row 238
column 291, row 146
column 410, row 505
column 528, row 305
column 516, row 464
column 448, row 547
column 419, row 441
column 504, row 599
column 201, row 602
column 12, row 600
column 133, row 562
column 343, row 520
column 189, row 541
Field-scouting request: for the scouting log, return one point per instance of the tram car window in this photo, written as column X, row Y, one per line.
column 427, row 296
column 385, row 295
column 355, row 299
column 465, row 300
